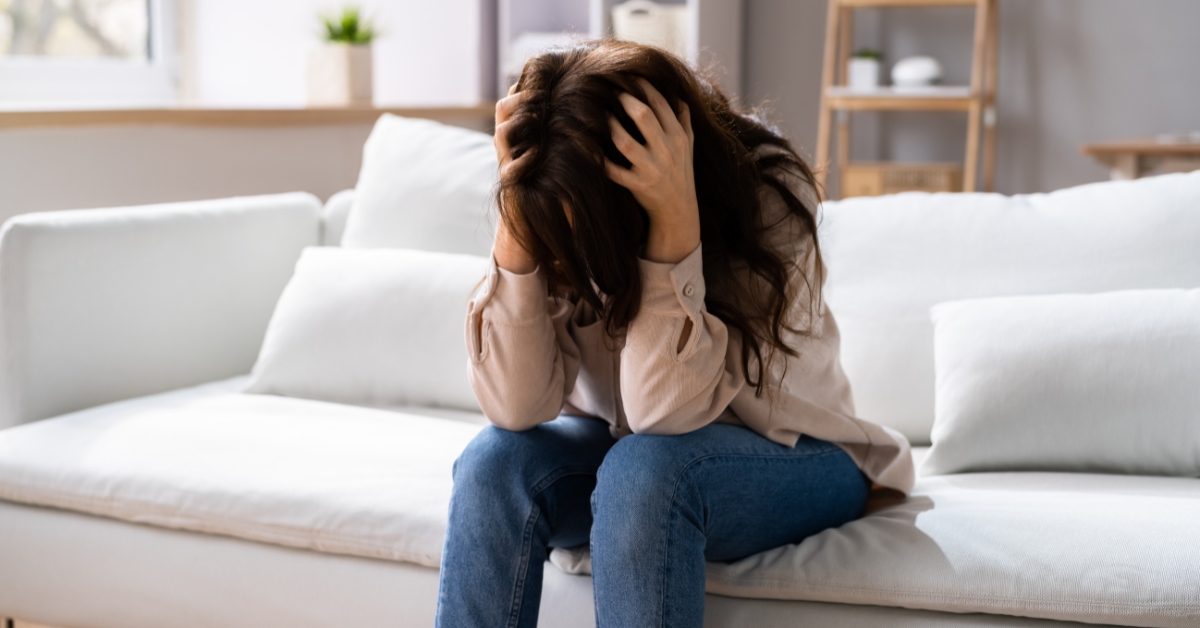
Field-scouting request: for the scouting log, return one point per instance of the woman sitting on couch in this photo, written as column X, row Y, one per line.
column 652, row 347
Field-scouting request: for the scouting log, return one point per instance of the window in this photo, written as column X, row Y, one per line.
column 100, row 52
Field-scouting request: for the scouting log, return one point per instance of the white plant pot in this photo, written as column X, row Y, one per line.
column 863, row 74
column 339, row 75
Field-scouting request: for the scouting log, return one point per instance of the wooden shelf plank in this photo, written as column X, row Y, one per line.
column 932, row 91
column 184, row 116
column 862, row 4
column 937, row 98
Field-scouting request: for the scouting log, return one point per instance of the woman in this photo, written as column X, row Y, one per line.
column 652, row 348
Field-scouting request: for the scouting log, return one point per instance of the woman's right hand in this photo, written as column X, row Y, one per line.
column 507, row 251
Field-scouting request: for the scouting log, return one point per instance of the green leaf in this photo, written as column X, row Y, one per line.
column 348, row 27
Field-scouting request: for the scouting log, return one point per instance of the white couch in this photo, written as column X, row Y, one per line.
column 139, row 488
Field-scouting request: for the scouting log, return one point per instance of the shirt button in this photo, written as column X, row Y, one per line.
column 689, row 290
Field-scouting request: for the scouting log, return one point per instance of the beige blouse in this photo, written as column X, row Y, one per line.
column 533, row 356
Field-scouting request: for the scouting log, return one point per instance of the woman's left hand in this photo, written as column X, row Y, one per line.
column 661, row 176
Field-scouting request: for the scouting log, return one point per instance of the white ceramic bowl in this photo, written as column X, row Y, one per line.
column 916, row 72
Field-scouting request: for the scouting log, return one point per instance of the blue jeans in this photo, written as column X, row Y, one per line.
column 654, row 508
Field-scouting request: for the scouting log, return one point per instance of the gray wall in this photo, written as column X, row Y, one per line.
column 72, row 168
column 1071, row 72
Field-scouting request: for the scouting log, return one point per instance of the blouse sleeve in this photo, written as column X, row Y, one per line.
column 522, row 362
column 669, row 384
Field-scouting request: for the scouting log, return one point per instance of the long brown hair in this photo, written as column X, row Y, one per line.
column 562, row 120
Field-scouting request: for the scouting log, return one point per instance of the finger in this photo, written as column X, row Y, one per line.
column 646, row 121
column 512, row 90
column 662, row 109
column 631, row 148
column 685, row 121
column 505, row 106
column 500, row 139
column 621, row 176
column 515, row 165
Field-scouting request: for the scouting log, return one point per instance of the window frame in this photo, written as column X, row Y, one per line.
column 48, row 82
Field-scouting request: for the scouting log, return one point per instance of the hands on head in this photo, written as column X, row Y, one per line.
column 661, row 176
column 507, row 251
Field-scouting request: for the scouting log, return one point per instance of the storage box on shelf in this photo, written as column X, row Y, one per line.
column 876, row 179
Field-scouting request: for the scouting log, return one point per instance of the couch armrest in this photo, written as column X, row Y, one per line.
column 107, row 304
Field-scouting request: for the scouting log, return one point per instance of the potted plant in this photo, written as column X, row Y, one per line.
column 339, row 70
column 863, row 71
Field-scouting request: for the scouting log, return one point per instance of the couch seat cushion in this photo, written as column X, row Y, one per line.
column 292, row 472
column 1106, row 549
column 369, row 482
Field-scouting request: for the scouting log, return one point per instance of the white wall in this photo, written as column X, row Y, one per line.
column 253, row 52
column 1071, row 72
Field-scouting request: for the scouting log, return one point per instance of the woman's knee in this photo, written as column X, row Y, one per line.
column 639, row 478
column 527, row 459
column 494, row 453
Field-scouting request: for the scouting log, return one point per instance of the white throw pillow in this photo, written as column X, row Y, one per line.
column 1089, row 383
column 423, row 185
column 891, row 258
column 380, row 328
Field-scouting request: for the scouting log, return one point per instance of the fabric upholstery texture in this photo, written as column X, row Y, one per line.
column 1102, row 383
column 891, row 258
column 1070, row 546
column 105, row 304
column 291, row 472
column 65, row 577
column 333, row 217
column 372, row 327
column 376, row 484
column 423, row 185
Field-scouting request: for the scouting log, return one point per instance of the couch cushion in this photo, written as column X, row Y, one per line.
column 292, row 472
column 423, row 185
column 1102, row 383
column 372, row 327
column 1107, row 549
column 376, row 483
column 891, row 258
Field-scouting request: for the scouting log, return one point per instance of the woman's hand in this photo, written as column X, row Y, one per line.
column 507, row 251
column 661, row 177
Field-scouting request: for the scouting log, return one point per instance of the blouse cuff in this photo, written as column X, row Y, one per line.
column 513, row 298
column 668, row 287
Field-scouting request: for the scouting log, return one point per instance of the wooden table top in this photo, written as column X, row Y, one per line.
column 1143, row 146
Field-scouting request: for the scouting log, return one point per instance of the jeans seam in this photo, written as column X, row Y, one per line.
column 518, row 593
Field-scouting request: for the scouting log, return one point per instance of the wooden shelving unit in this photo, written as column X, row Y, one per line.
column 978, row 99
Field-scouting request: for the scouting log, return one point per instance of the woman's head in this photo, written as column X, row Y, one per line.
column 587, row 232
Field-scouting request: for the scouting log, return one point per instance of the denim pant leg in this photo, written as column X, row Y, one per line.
column 663, row 505
column 515, row 494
